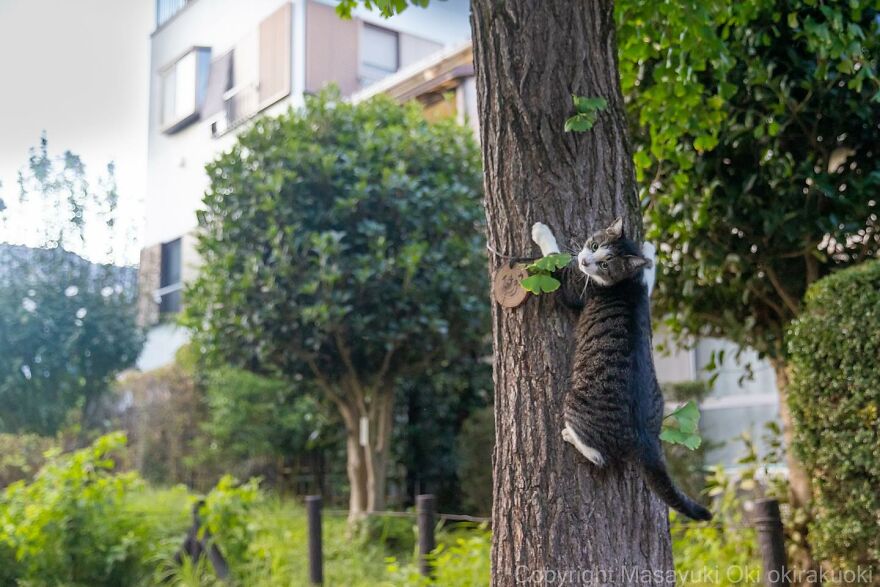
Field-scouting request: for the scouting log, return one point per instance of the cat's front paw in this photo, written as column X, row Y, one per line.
column 543, row 237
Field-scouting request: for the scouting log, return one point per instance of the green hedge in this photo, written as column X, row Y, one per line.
column 834, row 398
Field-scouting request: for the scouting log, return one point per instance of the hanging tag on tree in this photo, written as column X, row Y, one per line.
column 506, row 286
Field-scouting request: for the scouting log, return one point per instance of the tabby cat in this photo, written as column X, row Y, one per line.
column 614, row 408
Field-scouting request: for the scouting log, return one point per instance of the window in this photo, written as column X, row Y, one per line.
column 380, row 53
column 183, row 86
column 165, row 9
column 170, row 284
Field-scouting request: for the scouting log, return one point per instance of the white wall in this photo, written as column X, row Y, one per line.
column 176, row 179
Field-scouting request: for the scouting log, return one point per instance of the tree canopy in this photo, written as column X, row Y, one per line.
column 755, row 146
column 343, row 249
column 67, row 325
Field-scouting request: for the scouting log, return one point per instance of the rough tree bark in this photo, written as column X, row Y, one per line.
column 553, row 512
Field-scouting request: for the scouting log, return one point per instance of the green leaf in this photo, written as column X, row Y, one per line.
column 540, row 283
column 584, row 105
column 579, row 123
column 682, row 426
column 587, row 113
column 550, row 263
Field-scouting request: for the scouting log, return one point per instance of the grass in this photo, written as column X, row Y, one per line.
column 380, row 554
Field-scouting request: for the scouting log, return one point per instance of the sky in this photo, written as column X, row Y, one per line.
column 78, row 70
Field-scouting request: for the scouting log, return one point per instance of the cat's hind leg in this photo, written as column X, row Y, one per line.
column 591, row 454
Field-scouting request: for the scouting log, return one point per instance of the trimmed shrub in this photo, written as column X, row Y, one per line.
column 834, row 398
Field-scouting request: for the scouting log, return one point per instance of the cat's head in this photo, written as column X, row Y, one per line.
column 608, row 257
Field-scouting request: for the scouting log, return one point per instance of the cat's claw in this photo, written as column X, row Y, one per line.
column 543, row 237
column 591, row 454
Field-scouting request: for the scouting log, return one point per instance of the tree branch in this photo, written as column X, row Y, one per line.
column 790, row 302
column 384, row 367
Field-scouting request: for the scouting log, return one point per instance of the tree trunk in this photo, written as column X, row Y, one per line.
column 798, row 481
column 553, row 512
column 800, row 493
column 356, row 468
column 381, row 420
column 367, row 466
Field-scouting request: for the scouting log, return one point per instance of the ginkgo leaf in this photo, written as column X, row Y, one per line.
column 540, row 283
column 682, row 426
column 551, row 262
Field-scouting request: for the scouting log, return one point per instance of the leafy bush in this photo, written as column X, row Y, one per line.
column 474, row 446
column 686, row 465
column 164, row 409
column 462, row 558
column 70, row 525
column 834, row 400
column 21, row 456
column 258, row 425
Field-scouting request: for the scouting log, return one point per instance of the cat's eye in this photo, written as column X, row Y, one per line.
column 604, row 265
column 594, row 246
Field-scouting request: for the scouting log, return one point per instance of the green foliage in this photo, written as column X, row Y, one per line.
column 226, row 514
column 22, row 455
column 386, row 8
column 430, row 412
column 540, row 279
column 681, row 426
column 343, row 252
column 687, row 466
column 397, row 534
column 360, row 236
column 71, row 524
column 67, row 327
column 755, row 144
column 250, row 416
column 163, row 411
column 461, row 559
column 474, row 447
column 705, row 554
column 586, row 113
column 835, row 399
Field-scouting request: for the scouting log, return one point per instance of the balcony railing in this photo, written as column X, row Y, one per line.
column 240, row 105
column 165, row 9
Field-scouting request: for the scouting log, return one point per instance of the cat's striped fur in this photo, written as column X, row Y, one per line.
column 614, row 408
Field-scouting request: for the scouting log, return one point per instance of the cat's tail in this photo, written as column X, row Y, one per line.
column 654, row 468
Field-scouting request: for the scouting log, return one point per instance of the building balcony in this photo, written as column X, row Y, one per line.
column 166, row 9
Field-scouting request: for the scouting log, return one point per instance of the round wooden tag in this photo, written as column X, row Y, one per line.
column 506, row 288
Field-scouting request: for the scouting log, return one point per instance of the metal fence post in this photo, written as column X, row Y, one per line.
column 316, row 556
column 768, row 523
column 425, row 507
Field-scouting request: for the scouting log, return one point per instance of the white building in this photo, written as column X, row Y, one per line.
column 218, row 63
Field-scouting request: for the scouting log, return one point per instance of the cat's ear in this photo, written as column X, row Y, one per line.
column 635, row 262
column 615, row 231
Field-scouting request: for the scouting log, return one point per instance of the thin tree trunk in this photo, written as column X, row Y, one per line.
column 800, row 493
column 553, row 512
column 356, row 462
column 381, row 422
column 357, row 476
